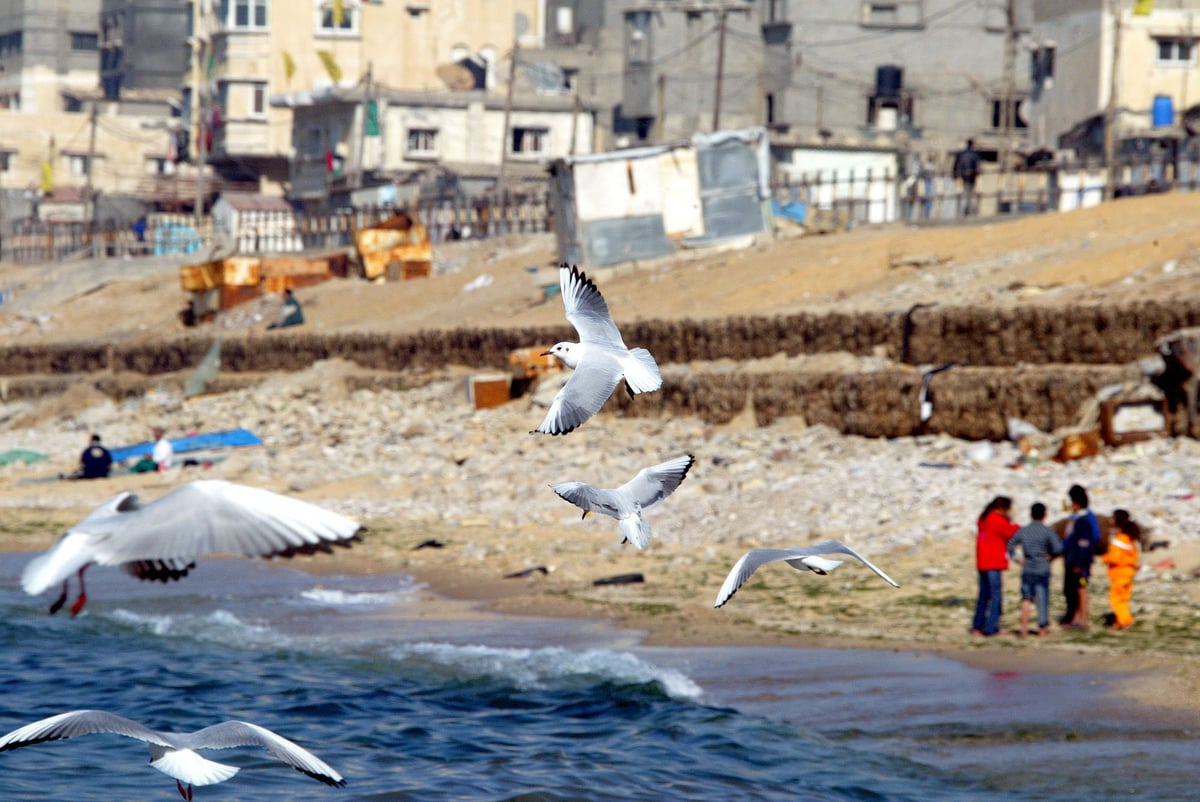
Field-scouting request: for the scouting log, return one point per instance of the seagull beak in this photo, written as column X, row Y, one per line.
column 546, row 353
column 584, row 516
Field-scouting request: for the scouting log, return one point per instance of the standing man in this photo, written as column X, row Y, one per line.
column 1039, row 545
column 1079, row 548
column 966, row 169
column 164, row 452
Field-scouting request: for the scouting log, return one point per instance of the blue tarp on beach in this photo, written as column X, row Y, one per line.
column 792, row 210
column 197, row 442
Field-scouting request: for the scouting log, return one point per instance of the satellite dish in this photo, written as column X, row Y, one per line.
column 456, row 76
column 520, row 24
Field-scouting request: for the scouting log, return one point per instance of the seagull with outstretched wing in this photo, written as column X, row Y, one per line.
column 807, row 558
column 174, row 753
column 161, row 539
column 600, row 359
column 627, row 502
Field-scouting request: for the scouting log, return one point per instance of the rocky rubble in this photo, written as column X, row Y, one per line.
column 425, row 456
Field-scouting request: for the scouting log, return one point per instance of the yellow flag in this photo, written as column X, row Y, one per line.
column 47, row 183
column 339, row 13
column 1142, row 8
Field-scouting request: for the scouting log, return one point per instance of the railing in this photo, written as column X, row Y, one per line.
column 171, row 234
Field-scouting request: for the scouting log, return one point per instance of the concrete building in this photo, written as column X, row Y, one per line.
column 1157, row 73
column 453, row 143
column 262, row 49
column 926, row 74
column 46, row 49
column 143, row 46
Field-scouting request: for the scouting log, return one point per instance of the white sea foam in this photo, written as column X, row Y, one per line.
column 551, row 666
column 331, row 597
column 218, row 626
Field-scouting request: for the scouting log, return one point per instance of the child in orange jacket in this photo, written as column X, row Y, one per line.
column 1122, row 561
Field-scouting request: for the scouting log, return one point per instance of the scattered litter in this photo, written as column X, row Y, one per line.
column 621, row 579
column 537, row 569
column 429, row 544
column 480, row 281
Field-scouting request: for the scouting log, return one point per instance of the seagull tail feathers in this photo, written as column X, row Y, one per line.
column 189, row 767
column 641, row 371
column 635, row 530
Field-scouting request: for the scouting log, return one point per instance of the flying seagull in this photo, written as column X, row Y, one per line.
column 600, row 359
column 627, row 502
column 173, row 753
column 808, row 557
column 159, row 540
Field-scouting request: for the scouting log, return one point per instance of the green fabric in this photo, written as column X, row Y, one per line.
column 21, row 455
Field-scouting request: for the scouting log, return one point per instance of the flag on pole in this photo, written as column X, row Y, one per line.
column 339, row 13
column 47, row 182
column 1142, row 8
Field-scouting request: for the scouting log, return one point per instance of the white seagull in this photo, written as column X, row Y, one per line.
column 627, row 502
column 600, row 359
column 159, row 540
column 173, row 753
column 807, row 557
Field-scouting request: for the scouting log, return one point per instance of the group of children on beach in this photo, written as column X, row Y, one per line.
column 1035, row 545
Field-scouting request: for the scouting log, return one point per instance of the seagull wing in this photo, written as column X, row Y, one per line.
column 81, row 722
column 754, row 559
column 217, row 517
column 588, row 498
column 651, row 485
column 230, row 734
column 586, row 309
column 590, row 385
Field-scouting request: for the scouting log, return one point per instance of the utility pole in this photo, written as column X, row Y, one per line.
column 89, row 193
column 508, row 104
column 199, row 141
column 723, row 15
column 1008, row 108
column 1110, row 110
column 362, row 131
column 661, row 117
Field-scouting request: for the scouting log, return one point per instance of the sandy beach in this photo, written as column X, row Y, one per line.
column 423, row 465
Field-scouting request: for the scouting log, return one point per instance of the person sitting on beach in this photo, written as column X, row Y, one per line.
column 1039, row 544
column 1079, row 549
column 95, row 462
column 290, row 314
column 1122, row 561
column 994, row 528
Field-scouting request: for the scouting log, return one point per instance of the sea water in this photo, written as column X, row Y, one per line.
column 409, row 706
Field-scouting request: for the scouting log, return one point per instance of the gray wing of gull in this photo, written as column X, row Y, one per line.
column 584, row 394
column 230, row 734
column 82, row 722
column 214, row 517
column 588, row 498
column 754, row 559
column 586, row 310
column 651, row 485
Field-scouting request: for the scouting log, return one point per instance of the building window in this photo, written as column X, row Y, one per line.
column 6, row 159
column 422, row 142
column 347, row 25
column 638, row 47
column 1175, row 52
column 71, row 103
column 10, row 43
column 258, row 100
column 159, row 165
column 530, row 141
column 10, row 100
column 89, row 42
column 245, row 14
column 1015, row 118
column 892, row 14
column 77, row 164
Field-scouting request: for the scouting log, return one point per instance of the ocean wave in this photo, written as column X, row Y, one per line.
column 332, row 597
column 218, row 626
column 550, row 667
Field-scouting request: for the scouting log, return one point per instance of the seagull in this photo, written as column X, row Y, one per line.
column 158, row 540
column 627, row 502
column 600, row 359
column 800, row 558
column 173, row 753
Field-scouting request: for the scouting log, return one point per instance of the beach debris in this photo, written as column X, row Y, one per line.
column 627, row 503
column 159, row 540
column 811, row 558
column 432, row 543
column 600, row 359
column 621, row 579
column 1077, row 445
column 537, row 569
column 173, row 753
